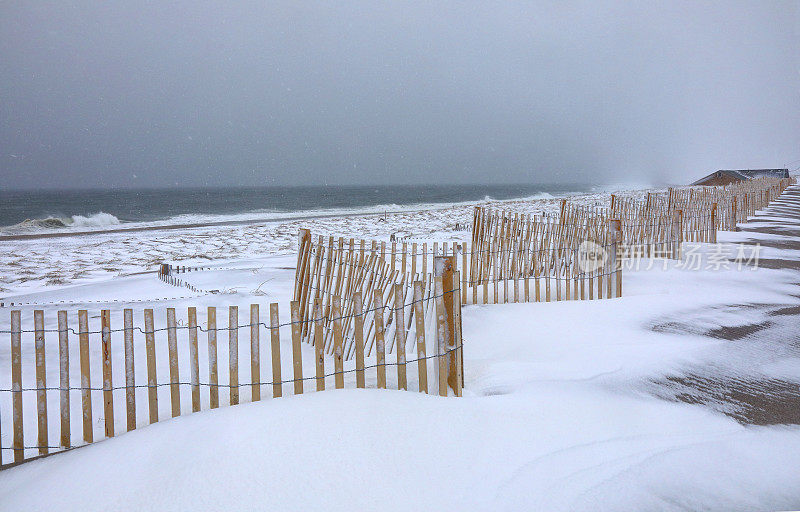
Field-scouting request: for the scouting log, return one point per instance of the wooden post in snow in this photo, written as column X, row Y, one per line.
column 319, row 344
column 275, row 349
column 677, row 234
column 358, row 312
column 297, row 354
column 213, row 377
column 400, row 336
column 255, row 354
column 457, row 348
column 174, row 376
column 616, row 254
column 444, row 268
column 713, row 226
column 380, row 348
column 108, row 394
column 233, row 354
column 194, row 364
column 338, row 342
column 16, row 385
column 422, row 367
column 130, row 382
column 41, row 382
column 86, row 381
column 63, row 358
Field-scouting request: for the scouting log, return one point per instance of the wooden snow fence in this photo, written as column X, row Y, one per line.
column 659, row 225
column 510, row 249
column 521, row 258
column 377, row 272
column 720, row 206
column 100, row 391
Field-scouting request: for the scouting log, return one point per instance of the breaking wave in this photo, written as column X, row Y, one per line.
column 95, row 220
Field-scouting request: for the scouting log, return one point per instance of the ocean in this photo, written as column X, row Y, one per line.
column 31, row 211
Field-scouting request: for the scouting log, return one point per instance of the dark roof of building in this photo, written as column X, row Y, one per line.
column 746, row 174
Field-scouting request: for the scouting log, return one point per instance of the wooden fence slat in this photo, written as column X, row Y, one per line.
column 338, row 349
column 358, row 311
column 213, row 375
column 422, row 363
column 108, row 393
column 152, row 380
column 275, row 339
column 63, row 372
column 441, row 335
column 457, row 347
column 319, row 344
column 86, row 381
column 194, row 364
column 233, row 353
column 255, row 356
column 41, row 382
column 400, row 336
column 130, row 389
column 297, row 354
column 380, row 348
column 174, row 375
column 465, row 271
column 16, row 385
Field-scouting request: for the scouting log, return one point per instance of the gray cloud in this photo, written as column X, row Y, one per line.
column 234, row 93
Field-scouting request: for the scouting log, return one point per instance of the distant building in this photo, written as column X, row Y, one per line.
column 726, row 177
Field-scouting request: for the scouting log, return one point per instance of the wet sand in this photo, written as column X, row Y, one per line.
column 754, row 399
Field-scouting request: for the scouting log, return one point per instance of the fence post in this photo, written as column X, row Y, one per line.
column 275, row 342
column 108, row 394
column 86, row 381
column 444, row 268
column 16, row 385
column 465, row 270
column 255, row 356
column 616, row 253
column 130, row 389
column 174, row 375
column 152, row 381
column 422, row 366
column 319, row 344
column 677, row 234
column 41, row 382
column 194, row 363
column 213, row 376
column 400, row 336
column 714, row 223
column 233, row 354
column 358, row 312
column 338, row 349
column 457, row 348
column 63, row 372
column 380, row 347
column 297, row 354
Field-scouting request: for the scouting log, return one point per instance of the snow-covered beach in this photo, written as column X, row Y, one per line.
column 47, row 259
column 680, row 395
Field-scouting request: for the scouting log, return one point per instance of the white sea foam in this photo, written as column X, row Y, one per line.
column 50, row 223
column 99, row 219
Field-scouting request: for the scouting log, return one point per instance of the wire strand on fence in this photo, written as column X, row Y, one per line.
column 236, row 327
column 208, row 384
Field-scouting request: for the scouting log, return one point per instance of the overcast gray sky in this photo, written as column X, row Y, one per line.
column 133, row 94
